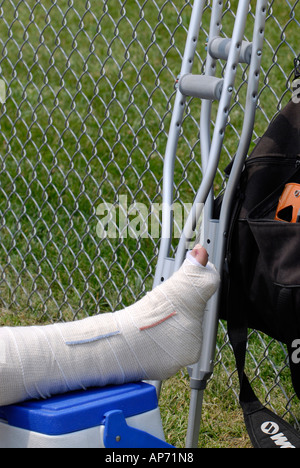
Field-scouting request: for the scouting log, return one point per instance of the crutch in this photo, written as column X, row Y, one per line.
column 209, row 88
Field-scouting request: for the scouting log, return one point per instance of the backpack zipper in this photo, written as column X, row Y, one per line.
column 276, row 159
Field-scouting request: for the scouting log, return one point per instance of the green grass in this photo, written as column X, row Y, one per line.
column 90, row 90
column 222, row 424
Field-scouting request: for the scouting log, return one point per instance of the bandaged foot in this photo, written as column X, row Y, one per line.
column 150, row 340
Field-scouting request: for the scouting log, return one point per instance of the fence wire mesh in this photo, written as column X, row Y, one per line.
column 90, row 89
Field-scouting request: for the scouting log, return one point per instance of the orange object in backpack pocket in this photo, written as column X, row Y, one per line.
column 288, row 208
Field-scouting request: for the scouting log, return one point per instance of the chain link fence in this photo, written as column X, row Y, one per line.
column 90, row 89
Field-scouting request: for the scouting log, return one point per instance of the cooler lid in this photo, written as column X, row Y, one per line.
column 76, row 411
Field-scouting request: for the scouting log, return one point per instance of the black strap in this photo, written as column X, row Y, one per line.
column 265, row 428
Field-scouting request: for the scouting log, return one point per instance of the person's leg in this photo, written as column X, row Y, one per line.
column 150, row 340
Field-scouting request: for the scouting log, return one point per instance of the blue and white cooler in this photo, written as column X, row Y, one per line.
column 125, row 416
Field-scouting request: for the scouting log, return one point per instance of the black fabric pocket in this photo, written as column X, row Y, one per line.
column 279, row 247
column 276, row 284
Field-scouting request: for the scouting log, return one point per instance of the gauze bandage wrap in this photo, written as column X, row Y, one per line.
column 150, row 340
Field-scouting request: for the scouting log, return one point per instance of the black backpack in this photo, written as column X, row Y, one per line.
column 261, row 285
